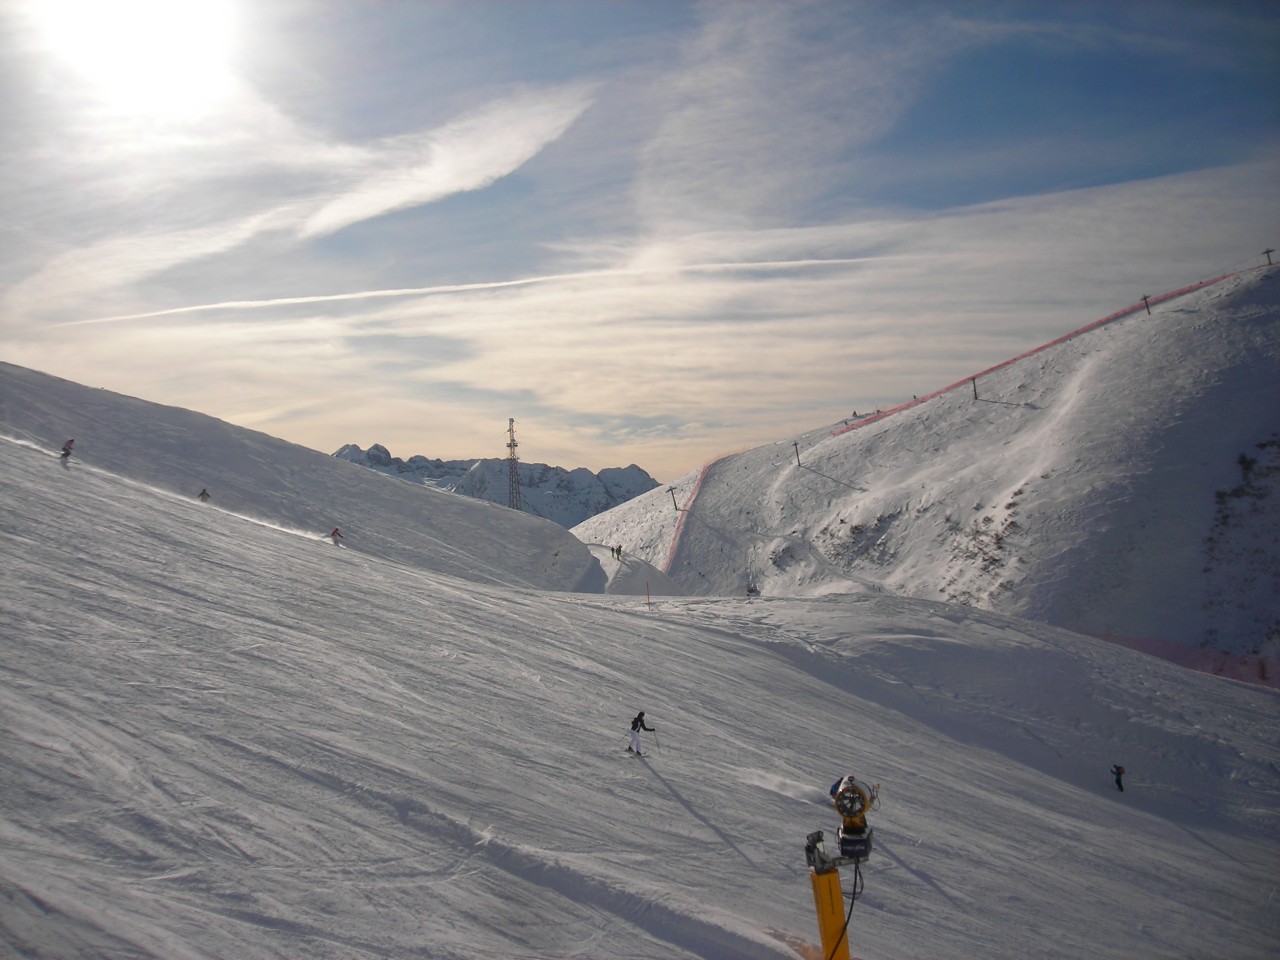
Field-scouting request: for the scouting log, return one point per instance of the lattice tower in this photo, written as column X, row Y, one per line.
column 513, row 468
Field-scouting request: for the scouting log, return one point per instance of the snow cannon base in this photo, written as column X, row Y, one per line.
column 855, row 845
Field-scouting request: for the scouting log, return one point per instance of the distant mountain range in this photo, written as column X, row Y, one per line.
column 566, row 497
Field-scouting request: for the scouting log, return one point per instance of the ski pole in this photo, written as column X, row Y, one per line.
column 655, row 741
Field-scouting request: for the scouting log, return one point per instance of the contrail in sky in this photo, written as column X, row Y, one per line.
column 468, row 287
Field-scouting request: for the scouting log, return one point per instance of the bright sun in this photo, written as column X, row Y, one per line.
column 154, row 57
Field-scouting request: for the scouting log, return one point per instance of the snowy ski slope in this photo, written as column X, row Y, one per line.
column 222, row 736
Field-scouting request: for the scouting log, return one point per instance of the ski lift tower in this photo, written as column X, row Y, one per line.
column 513, row 468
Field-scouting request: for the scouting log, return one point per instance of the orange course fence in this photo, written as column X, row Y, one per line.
column 1143, row 304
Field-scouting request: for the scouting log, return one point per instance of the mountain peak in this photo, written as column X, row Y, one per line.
column 1122, row 481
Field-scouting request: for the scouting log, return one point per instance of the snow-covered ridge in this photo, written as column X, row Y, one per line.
column 1124, row 482
column 566, row 497
column 283, row 484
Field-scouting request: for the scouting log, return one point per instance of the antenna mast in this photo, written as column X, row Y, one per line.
column 513, row 468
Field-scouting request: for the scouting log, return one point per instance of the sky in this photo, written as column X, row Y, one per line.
column 650, row 233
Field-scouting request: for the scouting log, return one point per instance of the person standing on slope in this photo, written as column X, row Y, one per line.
column 66, row 449
column 335, row 536
column 636, row 726
column 204, row 495
column 1117, row 771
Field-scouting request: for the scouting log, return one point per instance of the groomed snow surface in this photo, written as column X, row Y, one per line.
column 225, row 737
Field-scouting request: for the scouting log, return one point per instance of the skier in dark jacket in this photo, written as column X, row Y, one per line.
column 1118, row 772
column 66, row 449
column 636, row 726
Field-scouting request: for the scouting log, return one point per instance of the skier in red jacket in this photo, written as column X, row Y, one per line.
column 1118, row 772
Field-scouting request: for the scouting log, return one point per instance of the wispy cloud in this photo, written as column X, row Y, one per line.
column 81, row 274
column 740, row 267
column 740, row 143
column 467, row 154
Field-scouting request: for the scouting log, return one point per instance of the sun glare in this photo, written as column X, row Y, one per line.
column 144, row 56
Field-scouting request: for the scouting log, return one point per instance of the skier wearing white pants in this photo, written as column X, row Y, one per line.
column 636, row 726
